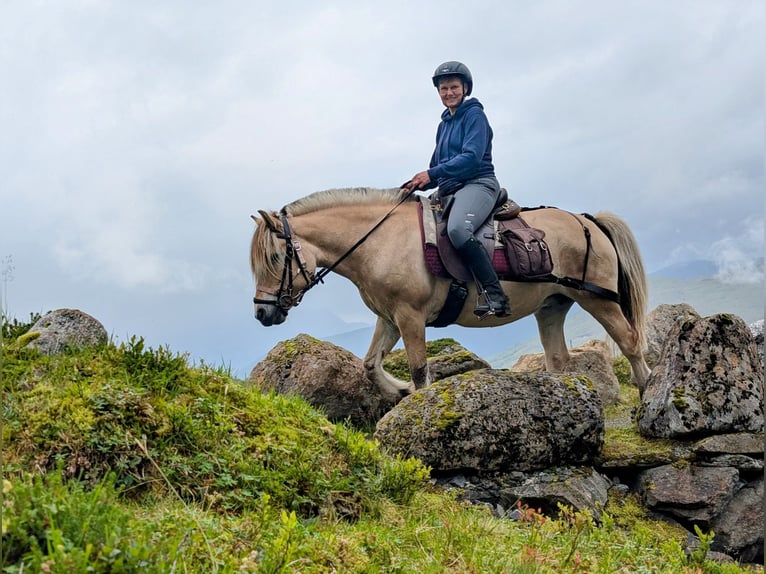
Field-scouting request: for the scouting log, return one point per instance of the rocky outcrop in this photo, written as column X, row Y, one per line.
column 593, row 359
column 688, row 492
column 743, row 451
column 720, row 492
column 511, row 440
column 579, row 488
column 493, row 420
column 63, row 329
column 327, row 376
column 507, row 493
column 739, row 526
column 333, row 379
column 659, row 324
column 709, row 381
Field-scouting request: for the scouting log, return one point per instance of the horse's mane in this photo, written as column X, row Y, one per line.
column 265, row 253
column 344, row 196
column 267, row 250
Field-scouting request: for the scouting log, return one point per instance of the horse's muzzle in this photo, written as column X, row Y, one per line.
column 270, row 315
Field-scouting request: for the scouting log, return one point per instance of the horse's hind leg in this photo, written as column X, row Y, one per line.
column 550, row 324
column 383, row 340
column 623, row 333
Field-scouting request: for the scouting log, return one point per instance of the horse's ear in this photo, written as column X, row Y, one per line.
column 269, row 220
column 256, row 219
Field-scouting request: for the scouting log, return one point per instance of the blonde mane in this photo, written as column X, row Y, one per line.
column 266, row 253
column 346, row 196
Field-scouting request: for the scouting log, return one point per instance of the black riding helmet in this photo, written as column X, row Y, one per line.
column 454, row 69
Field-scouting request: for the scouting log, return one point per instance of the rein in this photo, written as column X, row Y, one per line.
column 285, row 299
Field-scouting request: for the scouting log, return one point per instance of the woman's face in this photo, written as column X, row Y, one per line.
column 451, row 92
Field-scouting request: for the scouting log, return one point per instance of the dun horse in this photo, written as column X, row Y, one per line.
column 373, row 238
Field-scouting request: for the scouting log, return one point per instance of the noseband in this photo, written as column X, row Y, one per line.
column 286, row 297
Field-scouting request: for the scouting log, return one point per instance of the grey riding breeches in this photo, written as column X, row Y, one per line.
column 472, row 205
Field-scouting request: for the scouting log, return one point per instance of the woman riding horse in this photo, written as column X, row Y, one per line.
column 461, row 166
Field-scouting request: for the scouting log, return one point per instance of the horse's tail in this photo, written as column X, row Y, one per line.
column 631, row 281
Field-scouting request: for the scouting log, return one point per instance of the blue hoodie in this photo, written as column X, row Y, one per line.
column 463, row 148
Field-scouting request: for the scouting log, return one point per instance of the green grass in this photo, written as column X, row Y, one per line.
column 622, row 441
column 127, row 459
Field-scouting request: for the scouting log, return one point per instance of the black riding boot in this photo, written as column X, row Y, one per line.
column 476, row 258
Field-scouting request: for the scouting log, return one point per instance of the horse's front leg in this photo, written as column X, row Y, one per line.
column 383, row 340
column 412, row 327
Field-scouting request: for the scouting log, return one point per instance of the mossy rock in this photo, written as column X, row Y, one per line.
column 496, row 420
column 446, row 357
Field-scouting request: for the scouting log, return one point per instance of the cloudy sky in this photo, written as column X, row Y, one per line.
column 138, row 137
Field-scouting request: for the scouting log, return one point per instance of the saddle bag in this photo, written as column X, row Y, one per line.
column 526, row 250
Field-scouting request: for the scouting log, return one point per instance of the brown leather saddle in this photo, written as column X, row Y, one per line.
column 518, row 253
column 498, row 235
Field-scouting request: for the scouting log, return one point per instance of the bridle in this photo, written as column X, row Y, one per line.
column 285, row 297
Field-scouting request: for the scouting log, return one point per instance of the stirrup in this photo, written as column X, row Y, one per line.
column 482, row 311
column 485, row 309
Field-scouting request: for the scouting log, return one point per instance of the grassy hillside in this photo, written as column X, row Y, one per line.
column 127, row 459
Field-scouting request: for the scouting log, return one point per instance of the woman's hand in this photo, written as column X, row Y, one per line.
column 418, row 181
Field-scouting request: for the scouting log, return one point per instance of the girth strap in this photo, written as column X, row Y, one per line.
column 452, row 306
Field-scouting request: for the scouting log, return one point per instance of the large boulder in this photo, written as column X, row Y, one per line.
column 327, row 376
column 496, row 420
column 593, row 359
column 333, row 379
column 63, row 329
column 709, row 381
column 659, row 323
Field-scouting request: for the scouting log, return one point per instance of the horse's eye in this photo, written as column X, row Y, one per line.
column 274, row 258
